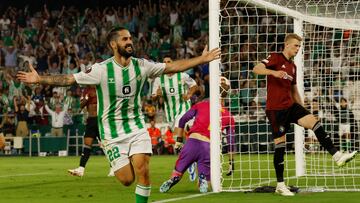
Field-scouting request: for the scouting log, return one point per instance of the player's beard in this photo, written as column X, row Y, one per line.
column 123, row 52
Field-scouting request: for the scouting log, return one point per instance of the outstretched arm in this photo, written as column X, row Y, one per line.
column 33, row 77
column 185, row 64
column 57, row 80
column 48, row 109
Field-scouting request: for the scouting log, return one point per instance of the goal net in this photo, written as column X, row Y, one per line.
column 328, row 67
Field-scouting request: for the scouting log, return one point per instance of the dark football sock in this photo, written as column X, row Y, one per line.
column 324, row 139
column 85, row 155
column 279, row 161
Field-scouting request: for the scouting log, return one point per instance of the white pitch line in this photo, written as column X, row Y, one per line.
column 182, row 198
column 24, row 174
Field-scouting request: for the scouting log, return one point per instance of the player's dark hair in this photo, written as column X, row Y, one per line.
column 112, row 35
column 167, row 56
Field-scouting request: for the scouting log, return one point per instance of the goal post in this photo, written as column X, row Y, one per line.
column 298, row 130
column 328, row 71
column 214, row 41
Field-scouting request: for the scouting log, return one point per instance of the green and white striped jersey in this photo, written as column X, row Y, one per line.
column 172, row 88
column 118, row 95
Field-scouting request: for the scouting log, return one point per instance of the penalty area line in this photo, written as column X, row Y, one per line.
column 182, row 198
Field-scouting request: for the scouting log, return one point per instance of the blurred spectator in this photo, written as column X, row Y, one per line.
column 4, row 101
column 15, row 87
column 72, row 68
column 169, row 141
column 10, row 52
column 41, row 60
column 150, row 110
column 38, row 95
column 68, row 120
column 57, row 119
column 155, row 136
column 8, row 124
column 261, row 94
column 4, row 22
column 234, row 101
column 69, row 39
column 22, row 109
column 69, row 100
column 47, row 91
column 54, row 67
column 345, row 118
column 2, row 141
column 245, row 93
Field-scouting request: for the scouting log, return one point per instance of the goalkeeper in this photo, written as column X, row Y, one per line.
column 197, row 147
column 284, row 106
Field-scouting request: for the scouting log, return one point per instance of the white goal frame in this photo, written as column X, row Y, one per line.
column 214, row 41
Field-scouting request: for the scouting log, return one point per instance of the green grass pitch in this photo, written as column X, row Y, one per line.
column 45, row 179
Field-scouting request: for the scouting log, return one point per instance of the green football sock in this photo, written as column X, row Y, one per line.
column 142, row 193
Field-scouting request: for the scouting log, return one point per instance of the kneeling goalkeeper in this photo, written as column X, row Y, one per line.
column 197, row 147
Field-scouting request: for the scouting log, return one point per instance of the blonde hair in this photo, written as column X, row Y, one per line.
column 292, row 36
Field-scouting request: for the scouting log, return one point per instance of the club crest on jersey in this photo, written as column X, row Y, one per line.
column 283, row 66
column 111, row 80
column 126, row 90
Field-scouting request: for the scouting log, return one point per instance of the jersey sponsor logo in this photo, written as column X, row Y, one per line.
column 111, row 80
column 171, row 90
column 126, row 90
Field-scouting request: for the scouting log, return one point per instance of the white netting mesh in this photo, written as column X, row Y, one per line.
column 331, row 65
column 323, row 8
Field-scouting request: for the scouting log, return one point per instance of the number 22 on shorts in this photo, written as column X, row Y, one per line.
column 113, row 153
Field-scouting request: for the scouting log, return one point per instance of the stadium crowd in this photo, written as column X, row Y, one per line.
column 70, row 39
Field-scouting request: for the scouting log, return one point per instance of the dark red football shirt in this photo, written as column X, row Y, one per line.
column 279, row 89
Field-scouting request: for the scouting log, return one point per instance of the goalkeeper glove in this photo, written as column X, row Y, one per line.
column 231, row 168
column 178, row 145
